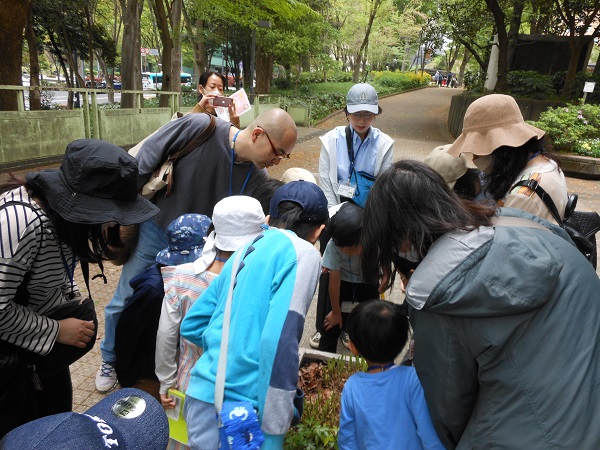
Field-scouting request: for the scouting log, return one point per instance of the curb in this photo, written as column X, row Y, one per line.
column 578, row 166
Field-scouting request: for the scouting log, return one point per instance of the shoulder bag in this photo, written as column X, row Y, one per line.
column 362, row 180
column 581, row 226
column 163, row 176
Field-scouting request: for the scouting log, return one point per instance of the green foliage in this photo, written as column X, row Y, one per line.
column 530, row 84
column 474, row 81
column 320, row 420
column 576, row 90
column 387, row 81
column 573, row 128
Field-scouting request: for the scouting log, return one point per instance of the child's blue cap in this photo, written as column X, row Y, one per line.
column 308, row 195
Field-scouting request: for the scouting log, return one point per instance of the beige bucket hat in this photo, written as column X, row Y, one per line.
column 490, row 122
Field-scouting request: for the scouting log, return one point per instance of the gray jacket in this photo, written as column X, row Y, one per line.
column 507, row 323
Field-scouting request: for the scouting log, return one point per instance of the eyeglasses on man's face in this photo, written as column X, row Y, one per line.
column 362, row 115
column 279, row 154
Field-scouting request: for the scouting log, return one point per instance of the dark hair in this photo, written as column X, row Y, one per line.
column 410, row 205
column 264, row 193
column 290, row 218
column 378, row 329
column 88, row 242
column 346, row 225
column 469, row 185
column 203, row 79
column 509, row 162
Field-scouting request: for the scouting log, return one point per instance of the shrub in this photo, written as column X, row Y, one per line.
column 530, row 84
column 399, row 81
column 474, row 81
column 573, row 128
column 282, row 83
column 339, row 77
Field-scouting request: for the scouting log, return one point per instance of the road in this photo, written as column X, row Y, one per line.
column 61, row 97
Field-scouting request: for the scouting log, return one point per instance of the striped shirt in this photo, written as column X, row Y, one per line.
column 31, row 254
column 182, row 288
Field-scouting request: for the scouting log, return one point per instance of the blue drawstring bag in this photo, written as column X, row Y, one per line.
column 240, row 428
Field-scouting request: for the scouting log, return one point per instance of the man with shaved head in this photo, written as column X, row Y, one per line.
column 229, row 162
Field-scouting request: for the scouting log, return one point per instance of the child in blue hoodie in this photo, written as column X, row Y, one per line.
column 274, row 286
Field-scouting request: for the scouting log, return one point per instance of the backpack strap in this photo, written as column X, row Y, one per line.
column 543, row 195
column 191, row 146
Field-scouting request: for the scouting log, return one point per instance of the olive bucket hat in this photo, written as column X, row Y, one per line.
column 96, row 183
column 491, row 122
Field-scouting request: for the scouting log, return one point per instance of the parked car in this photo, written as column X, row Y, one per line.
column 99, row 83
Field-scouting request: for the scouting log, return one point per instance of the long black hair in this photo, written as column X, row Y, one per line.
column 409, row 207
column 88, row 242
column 509, row 162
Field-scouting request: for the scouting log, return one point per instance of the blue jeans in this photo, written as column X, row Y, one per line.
column 202, row 427
column 152, row 239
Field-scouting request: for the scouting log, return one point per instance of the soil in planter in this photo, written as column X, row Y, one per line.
column 322, row 384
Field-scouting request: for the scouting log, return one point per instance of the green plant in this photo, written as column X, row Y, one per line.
column 570, row 127
column 530, row 84
column 322, row 384
column 588, row 147
column 474, row 81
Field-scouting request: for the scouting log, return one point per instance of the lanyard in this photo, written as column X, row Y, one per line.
column 351, row 155
column 231, row 169
column 70, row 273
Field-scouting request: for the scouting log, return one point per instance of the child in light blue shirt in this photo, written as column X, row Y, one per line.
column 383, row 407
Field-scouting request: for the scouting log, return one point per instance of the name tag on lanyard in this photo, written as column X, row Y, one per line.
column 346, row 189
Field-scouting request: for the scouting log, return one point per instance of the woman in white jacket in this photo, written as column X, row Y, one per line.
column 372, row 151
column 341, row 165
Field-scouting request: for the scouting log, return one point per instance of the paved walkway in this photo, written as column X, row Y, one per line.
column 417, row 122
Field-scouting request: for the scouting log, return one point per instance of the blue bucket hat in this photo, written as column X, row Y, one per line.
column 128, row 418
column 186, row 236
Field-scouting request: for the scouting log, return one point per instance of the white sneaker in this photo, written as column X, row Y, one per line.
column 106, row 378
column 345, row 339
column 315, row 340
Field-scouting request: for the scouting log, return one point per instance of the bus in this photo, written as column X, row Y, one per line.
column 153, row 80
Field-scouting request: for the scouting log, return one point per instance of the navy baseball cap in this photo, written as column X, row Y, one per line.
column 126, row 419
column 308, row 195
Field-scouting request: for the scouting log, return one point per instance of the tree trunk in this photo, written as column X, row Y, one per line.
column 35, row 97
column 513, row 31
column 131, row 74
column 360, row 55
column 463, row 65
column 176, row 50
column 499, row 17
column 197, row 44
column 162, row 22
column 13, row 17
column 264, row 71
column 576, row 46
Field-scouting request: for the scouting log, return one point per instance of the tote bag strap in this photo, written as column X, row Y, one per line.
column 222, row 366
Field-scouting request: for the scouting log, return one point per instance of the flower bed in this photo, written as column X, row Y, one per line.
column 321, row 377
column 573, row 129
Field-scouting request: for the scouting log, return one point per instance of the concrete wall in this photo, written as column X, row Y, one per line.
column 37, row 134
column 28, row 137
column 126, row 127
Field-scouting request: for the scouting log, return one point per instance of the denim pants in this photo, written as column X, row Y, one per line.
column 152, row 239
column 201, row 420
